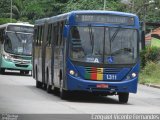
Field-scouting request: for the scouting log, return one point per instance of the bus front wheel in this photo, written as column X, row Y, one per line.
column 123, row 97
column 63, row 93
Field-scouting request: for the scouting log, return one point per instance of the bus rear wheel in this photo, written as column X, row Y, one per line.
column 38, row 84
column 123, row 97
column 48, row 86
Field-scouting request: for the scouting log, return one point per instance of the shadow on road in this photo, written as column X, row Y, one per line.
column 15, row 73
column 90, row 98
column 75, row 97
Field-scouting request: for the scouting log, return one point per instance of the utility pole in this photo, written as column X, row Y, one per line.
column 104, row 5
column 11, row 12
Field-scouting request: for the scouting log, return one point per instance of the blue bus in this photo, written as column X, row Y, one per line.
column 89, row 50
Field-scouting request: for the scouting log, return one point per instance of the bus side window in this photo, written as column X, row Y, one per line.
column 56, row 34
column 61, row 35
column 52, row 34
column 42, row 35
column 49, row 34
column 38, row 36
column 35, row 36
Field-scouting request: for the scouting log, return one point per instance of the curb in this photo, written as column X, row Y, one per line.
column 152, row 85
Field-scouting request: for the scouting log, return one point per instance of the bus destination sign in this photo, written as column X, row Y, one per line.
column 103, row 18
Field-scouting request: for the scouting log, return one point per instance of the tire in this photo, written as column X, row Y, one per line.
column 48, row 86
column 2, row 70
column 63, row 93
column 123, row 97
column 48, row 89
column 38, row 84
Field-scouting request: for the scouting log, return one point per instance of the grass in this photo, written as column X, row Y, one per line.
column 150, row 74
column 155, row 42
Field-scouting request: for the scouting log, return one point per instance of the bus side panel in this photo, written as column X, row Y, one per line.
column 56, row 67
column 37, row 62
column 48, row 64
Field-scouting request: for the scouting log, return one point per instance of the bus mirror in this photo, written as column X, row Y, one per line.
column 65, row 31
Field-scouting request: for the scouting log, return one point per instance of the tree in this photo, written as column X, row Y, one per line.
column 93, row 5
column 5, row 9
column 30, row 10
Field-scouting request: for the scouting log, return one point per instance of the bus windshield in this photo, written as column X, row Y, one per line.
column 18, row 43
column 106, row 45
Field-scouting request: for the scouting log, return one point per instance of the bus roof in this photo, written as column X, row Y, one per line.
column 65, row 16
column 102, row 12
column 18, row 24
column 41, row 21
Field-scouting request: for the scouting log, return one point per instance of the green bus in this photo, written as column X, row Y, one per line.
column 16, row 47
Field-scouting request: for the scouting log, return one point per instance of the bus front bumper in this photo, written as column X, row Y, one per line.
column 79, row 84
column 6, row 64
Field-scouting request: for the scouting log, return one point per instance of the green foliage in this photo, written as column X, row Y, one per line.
column 114, row 5
column 36, row 9
column 6, row 20
column 150, row 74
column 155, row 42
column 150, row 54
column 4, row 8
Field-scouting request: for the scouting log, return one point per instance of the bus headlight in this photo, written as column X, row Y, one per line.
column 7, row 57
column 131, row 76
column 134, row 75
column 73, row 73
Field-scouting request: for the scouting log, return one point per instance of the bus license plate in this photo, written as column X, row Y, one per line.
column 102, row 85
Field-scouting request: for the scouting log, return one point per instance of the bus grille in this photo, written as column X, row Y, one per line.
column 93, row 73
column 21, row 61
column 18, row 65
column 102, row 70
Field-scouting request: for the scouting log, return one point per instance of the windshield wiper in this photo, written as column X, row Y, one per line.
column 113, row 38
column 91, row 37
column 115, row 33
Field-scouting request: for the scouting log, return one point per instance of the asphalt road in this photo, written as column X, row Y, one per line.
column 19, row 95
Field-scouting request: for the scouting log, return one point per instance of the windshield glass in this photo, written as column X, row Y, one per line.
column 18, row 43
column 103, row 45
column 18, row 28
